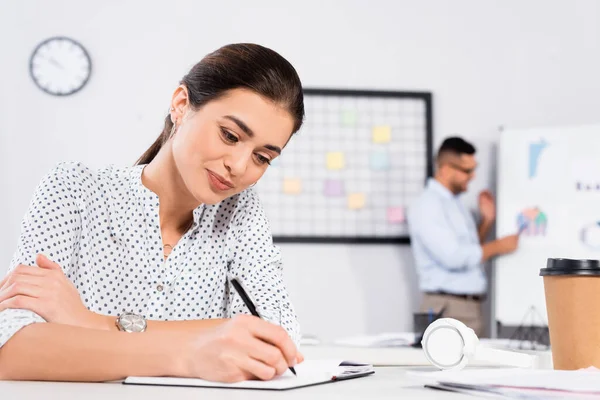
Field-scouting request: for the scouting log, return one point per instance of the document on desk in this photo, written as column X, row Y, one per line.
column 516, row 382
column 309, row 372
column 387, row 339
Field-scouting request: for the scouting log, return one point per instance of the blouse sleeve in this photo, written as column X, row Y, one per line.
column 257, row 263
column 50, row 226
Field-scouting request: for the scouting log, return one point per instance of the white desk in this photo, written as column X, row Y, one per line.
column 386, row 383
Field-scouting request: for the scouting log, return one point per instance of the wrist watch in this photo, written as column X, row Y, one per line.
column 130, row 322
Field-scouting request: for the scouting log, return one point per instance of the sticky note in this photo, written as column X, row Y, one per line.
column 333, row 188
column 335, row 160
column 395, row 215
column 382, row 134
column 349, row 118
column 380, row 160
column 356, row 201
column 292, row 186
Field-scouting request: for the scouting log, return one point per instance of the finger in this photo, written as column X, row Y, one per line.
column 275, row 335
column 3, row 281
column 20, row 271
column 23, row 269
column 27, row 279
column 21, row 302
column 20, row 289
column 256, row 369
column 44, row 262
column 268, row 354
column 299, row 358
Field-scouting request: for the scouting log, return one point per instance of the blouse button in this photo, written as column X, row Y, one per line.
column 159, row 288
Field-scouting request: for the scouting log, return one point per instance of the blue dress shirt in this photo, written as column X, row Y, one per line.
column 445, row 243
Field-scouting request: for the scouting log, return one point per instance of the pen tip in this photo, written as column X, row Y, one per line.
column 293, row 370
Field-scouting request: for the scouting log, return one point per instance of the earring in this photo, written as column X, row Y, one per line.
column 173, row 130
column 172, row 120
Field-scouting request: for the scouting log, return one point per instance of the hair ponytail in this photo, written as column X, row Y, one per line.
column 158, row 143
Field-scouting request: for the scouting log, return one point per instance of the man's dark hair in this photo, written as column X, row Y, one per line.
column 455, row 146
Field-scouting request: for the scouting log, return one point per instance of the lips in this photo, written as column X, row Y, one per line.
column 220, row 182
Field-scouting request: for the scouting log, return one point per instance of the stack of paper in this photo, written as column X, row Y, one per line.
column 516, row 383
column 309, row 340
column 392, row 339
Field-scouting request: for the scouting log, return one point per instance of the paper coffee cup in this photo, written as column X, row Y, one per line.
column 572, row 290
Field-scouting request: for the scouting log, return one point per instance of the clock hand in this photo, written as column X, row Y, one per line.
column 53, row 61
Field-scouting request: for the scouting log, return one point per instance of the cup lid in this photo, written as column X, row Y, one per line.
column 569, row 266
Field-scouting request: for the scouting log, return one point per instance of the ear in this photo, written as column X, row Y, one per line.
column 442, row 169
column 179, row 104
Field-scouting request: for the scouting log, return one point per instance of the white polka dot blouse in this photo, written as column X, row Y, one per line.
column 102, row 227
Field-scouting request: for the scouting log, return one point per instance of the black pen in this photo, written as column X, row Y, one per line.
column 238, row 287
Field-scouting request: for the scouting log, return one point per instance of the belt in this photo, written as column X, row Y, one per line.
column 474, row 297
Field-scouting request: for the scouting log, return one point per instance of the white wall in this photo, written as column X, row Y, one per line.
column 488, row 63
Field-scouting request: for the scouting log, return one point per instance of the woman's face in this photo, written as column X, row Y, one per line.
column 227, row 145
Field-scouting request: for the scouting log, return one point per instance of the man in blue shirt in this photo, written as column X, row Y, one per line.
column 448, row 246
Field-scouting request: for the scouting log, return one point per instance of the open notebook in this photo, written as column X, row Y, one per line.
column 309, row 372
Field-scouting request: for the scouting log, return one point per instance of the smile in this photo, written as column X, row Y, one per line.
column 218, row 182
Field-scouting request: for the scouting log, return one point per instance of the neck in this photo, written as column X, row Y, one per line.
column 176, row 202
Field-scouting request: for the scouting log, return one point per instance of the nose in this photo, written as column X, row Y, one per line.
column 236, row 162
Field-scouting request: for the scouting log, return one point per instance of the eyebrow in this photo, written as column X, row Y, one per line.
column 242, row 125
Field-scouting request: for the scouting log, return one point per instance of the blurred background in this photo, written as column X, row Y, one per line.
column 488, row 64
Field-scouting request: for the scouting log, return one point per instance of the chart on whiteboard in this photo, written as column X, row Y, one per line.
column 350, row 172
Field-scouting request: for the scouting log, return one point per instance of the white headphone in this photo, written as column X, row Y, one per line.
column 451, row 345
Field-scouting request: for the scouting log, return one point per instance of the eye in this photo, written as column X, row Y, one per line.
column 262, row 160
column 228, row 136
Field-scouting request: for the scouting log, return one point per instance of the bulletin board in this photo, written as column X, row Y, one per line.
column 348, row 175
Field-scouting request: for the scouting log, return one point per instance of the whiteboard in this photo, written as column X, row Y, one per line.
column 548, row 177
column 348, row 175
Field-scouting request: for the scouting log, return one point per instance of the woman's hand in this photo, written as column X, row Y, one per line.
column 47, row 292
column 242, row 348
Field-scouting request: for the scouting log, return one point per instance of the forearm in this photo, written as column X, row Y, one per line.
column 490, row 249
column 484, row 229
column 46, row 351
column 108, row 323
column 174, row 326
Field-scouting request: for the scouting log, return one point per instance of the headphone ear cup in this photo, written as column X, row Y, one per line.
column 443, row 344
column 471, row 341
column 470, row 349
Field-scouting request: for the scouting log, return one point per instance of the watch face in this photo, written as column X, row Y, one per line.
column 60, row 66
column 132, row 322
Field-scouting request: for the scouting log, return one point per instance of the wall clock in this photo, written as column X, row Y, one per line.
column 60, row 66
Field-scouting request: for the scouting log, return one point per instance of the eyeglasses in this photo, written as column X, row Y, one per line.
column 468, row 171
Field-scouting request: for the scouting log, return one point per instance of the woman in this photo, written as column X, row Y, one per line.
column 133, row 279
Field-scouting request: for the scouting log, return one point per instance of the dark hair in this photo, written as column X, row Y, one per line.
column 240, row 65
column 456, row 146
